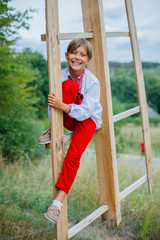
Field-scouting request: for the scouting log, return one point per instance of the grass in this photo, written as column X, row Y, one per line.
column 26, row 192
column 130, row 138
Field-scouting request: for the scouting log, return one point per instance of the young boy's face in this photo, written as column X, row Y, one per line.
column 77, row 59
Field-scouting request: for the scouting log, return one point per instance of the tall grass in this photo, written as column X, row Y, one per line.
column 26, row 192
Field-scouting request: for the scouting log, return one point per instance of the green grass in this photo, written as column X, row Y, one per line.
column 26, row 192
column 130, row 137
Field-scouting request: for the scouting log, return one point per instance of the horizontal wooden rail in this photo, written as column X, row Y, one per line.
column 86, row 221
column 132, row 187
column 68, row 36
column 117, row 34
column 125, row 114
column 67, row 138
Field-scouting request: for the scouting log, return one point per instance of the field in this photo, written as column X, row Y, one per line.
column 26, row 192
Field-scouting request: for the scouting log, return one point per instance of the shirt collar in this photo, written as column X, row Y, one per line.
column 79, row 78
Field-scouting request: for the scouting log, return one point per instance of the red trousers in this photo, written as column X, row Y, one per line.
column 82, row 134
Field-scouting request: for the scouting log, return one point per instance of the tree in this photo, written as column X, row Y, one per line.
column 11, row 21
column 152, row 83
column 17, row 97
column 123, row 87
column 38, row 64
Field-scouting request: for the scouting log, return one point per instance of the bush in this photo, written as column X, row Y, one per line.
column 18, row 131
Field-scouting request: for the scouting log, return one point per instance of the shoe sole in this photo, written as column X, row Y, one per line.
column 44, row 142
column 50, row 219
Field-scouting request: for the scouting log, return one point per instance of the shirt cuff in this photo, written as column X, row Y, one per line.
column 69, row 109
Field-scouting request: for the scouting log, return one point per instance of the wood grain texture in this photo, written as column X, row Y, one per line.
column 104, row 138
column 141, row 92
column 125, row 114
column 67, row 36
column 54, row 73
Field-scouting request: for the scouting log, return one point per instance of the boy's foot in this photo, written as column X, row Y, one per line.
column 52, row 214
column 45, row 137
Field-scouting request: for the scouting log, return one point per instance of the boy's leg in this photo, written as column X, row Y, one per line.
column 83, row 133
column 70, row 95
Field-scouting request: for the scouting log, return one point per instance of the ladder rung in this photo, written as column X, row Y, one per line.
column 117, row 34
column 67, row 138
column 125, row 114
column 86, row 221
column 67, row 36
column 132, row 187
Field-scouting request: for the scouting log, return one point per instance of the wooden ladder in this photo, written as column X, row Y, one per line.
column 94, row 31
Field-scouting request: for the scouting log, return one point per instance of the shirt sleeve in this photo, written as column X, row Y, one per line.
column 89, row 103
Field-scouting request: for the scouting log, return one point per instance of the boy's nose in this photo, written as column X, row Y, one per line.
column 77, row 55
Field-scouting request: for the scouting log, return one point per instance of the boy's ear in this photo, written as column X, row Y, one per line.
column 88, row 60
column 66, row 55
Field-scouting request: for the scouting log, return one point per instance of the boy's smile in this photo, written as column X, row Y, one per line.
column 77, row 60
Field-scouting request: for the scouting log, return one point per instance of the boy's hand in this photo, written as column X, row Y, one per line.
column 56, row 102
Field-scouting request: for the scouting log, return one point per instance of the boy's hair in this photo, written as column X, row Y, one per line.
column 75, row 43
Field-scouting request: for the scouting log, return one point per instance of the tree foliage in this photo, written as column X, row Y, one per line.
column 11, row 21
column 17, row 94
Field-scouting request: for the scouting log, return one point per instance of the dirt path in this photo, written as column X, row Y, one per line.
column 138, row 161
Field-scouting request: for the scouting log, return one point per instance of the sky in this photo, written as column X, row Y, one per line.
column 147, row 18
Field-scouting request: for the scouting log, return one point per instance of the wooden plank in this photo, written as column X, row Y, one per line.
column 43, row 37
column 67, row 138
column 86, row 221
column 104, row 138
column 133, row 187
column 54, row 73
column 125, row 114
column 141, row 92
column 117, row 34
column 68, row 36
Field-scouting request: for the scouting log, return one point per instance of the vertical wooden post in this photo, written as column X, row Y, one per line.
column 141, row 92
column 104, row 138
column 57, row 141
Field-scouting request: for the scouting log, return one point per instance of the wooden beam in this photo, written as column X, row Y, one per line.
column 132, row 187
column 86, row 221
column 67, row 138
column 125, row 114
column 117, row 34
column 43, row 37
column 141, row 92
column 57, row 142
column 93, row 21
column 68, row 36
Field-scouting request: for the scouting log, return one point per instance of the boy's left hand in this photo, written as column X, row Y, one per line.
column 56, row 102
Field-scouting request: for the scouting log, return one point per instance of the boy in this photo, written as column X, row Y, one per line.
column 81, row 112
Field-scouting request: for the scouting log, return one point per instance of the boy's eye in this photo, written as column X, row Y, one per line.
column 83, row 54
